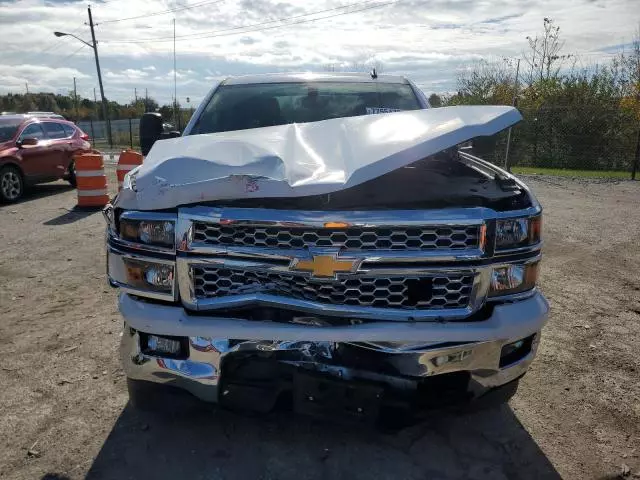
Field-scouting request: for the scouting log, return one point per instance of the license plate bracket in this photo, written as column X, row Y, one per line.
column 321, row 396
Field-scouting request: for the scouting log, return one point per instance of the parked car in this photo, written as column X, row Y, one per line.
column 37, row 150
column 321, row 242
column 46, row 115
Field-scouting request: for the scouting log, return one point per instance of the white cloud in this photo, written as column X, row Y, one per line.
column 39, row 78
column 428, row 41
column 127, row 74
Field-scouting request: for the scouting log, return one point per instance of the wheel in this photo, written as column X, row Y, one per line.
column 11, row 184
column 71, row 174
column 153, row 397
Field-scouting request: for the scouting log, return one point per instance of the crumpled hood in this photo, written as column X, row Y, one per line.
column 302, row 159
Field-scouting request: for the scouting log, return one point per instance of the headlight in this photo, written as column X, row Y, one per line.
column 149, row 275
column 518, row 232
column 129, row 182
column 513, row 278
column 159, row 233
column 153, row 278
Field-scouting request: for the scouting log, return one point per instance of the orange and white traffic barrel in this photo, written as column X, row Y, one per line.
column 91, row 182
column 128, row 161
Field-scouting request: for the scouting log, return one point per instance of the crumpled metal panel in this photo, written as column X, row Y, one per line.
column 302, row 159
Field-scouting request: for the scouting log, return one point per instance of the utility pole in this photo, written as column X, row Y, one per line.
column 636, row 160
column 95, row 114
column 507, row 167
column 146, row 100
column 95, row 102
column 175, row 79
column 75, row 99
column 135, row 95
column 105, row 108
column 26, row 84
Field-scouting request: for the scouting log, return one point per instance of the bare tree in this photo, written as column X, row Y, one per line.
column 544, row 58
column 625, row 69
column 483, row 81
column 632, row 65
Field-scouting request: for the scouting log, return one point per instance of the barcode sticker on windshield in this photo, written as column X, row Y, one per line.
column 374, row 110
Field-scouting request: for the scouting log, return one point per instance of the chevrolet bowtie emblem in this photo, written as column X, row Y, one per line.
column 324, row 266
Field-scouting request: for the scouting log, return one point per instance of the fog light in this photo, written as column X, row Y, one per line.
column 516, row 345
column 163, row 345
column 450, row 358
column 516, row 351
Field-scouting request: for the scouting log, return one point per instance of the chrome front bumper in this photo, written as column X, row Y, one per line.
column 437, row 348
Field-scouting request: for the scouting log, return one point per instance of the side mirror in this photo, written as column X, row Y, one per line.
column 27, row 142
column 150, row 131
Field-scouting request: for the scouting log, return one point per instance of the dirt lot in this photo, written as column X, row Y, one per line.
column 64, row 403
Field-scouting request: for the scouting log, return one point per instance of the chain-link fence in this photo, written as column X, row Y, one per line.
column 568, row 138
column 124, row 133
column 549, row 137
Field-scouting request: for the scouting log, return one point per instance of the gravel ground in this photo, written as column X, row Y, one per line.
column 64, row 402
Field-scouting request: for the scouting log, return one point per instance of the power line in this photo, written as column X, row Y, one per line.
column 163, row 12
column 281, row 19
column 220, row 33
column 69, row 56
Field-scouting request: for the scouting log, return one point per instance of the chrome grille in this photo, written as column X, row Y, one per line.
column 445, row 290
column 457, row 237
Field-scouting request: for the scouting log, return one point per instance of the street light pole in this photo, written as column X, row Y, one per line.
column 94, row 46
column 75, row 99
column 105, row 108
column 175, row 79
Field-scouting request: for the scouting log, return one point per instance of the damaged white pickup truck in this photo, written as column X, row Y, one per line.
column 297, row 248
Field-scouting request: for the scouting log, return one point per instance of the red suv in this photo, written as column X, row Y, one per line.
column 36, row 150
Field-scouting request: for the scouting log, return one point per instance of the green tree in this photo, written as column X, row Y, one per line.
column 27, row 104
column 571, row 119
column 435, row 100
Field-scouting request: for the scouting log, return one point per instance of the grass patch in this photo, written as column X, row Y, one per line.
column 561, row 172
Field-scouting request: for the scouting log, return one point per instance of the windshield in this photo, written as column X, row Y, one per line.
column 8, row 129
column 240, row 107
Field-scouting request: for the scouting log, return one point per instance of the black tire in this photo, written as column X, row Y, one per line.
column 158, row 398
column 11, row 184
column 71, row 175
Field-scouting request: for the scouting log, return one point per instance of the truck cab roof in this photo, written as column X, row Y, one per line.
column 343, row 77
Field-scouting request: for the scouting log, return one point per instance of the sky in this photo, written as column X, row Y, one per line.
column 429, row 41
